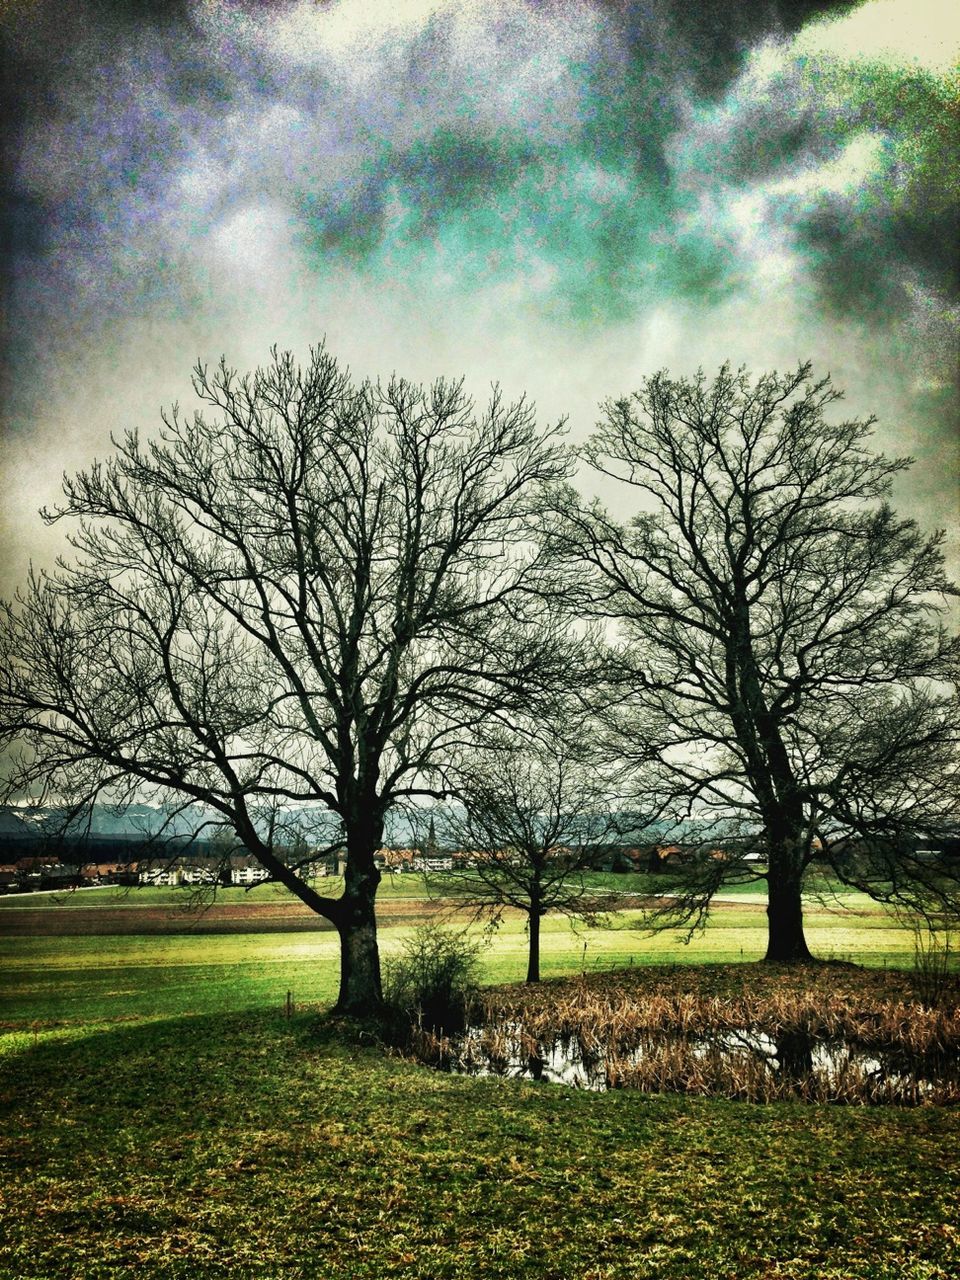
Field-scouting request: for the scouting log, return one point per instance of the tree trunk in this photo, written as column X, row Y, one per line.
column 533, row 959
column 786, row 943
column 361, row 994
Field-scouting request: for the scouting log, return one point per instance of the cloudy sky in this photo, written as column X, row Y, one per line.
column 561, row 197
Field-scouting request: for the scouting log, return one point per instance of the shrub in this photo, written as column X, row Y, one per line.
column 430, row 984
column 935, row 978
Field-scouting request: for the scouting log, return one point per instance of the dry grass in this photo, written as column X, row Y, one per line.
column 826, row 1033
column 621, row 1023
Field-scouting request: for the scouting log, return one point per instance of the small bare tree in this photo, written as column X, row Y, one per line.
column 779, row 629
column 533, row 815
column 310, row 597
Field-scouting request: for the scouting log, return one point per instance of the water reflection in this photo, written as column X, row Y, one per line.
column 742, row 1063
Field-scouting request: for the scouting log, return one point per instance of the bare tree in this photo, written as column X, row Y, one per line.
column 310, row 597
column 533, row 816
column 779, row 636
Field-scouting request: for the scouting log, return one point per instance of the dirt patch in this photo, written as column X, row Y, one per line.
column 52, row 920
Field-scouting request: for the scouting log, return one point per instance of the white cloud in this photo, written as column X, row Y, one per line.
column 845, row 173
column 925, row 33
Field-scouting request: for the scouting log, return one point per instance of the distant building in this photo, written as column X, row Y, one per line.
column 204, row 870
column 395, row 860
column 102, row 872
column 246, row 870
column 160, row 874
column 432, row 862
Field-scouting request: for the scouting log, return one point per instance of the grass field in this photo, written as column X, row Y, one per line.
column 162, row 1117
column 61, row 960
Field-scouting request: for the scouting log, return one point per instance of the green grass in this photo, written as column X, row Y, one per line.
column 128, row 976
column 244, row 1146
column 160, row 1117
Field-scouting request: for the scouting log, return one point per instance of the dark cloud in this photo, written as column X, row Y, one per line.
column 865, row 263
column 710, row 39
column 639, row 168
column 866, row 245
column 456, row 169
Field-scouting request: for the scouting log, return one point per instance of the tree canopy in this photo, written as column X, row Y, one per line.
column 309, row 590
column 780, row 637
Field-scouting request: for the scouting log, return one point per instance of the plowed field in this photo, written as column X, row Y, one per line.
column 282, row 916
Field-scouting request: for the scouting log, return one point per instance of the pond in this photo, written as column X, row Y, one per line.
column 741, row 1063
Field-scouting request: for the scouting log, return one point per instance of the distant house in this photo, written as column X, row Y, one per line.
column 432, row 862
column 45, row 871
column 661, row 856
column 126, row 874
column 333, row 863
column 101, row 872
column 246, row 870
column 394, row 860
column 160, row 874
column 203, row 870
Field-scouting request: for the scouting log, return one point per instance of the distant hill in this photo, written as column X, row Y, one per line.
column 139, row 822
column 11, row 824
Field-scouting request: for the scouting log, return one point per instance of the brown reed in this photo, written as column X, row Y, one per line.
column 648, row 1032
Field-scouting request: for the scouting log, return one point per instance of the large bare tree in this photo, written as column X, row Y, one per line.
column 779, row 637
column 308, row 591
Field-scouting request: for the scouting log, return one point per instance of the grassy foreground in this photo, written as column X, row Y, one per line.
column 160, row 1117
column 244, row 1146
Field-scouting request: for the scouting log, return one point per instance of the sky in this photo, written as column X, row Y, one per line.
column 559, row 197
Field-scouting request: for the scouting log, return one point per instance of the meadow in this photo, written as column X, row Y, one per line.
column 163, row 1115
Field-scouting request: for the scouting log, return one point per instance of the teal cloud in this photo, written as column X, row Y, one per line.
column 596, row 167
